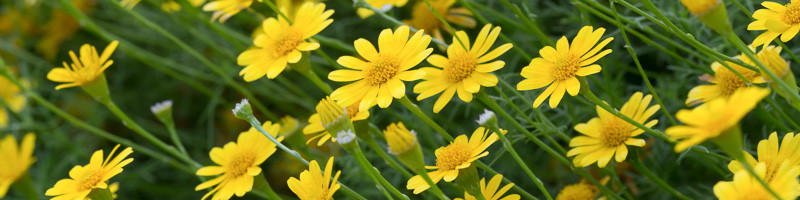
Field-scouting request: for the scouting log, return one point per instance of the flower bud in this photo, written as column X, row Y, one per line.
column 710, row 12
column 335, row 119
column 403, row 144
column 243, row 110
column 163, row 111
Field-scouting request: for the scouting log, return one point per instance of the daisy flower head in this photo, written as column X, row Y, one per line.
column 82, row 179
column 399, row 138
column 379, row 76
column 492, row 190
column 582, row 190
column 454, row 157
column 13, row 96
column 772, row 152
column 608, row 136
column 238, row 162
column 17, row 158
column 84, row 69
column 713, row 118
column 744, row 186
column 423, row 18
column 776, row 20
column 225, row 9
column 282, row 42
column 314, row 184
column 724, row 82
column 560, row 67
column 463, row 71
column 381, row 5
column 316, row 131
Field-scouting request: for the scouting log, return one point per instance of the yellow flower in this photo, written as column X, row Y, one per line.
column 725, row 82
column 423, row 18
column 315, row 130
column 451, row 158
column 607, row 135
column 771, row 57
column 93, row 175
column 170, row 6
column 462, row 72
column 399, row 138
column 129, row 3
column 315, row 184
column 491, row 192
column 772, row 155
column 283, row 42
column 113, row 188
column 381, row 76
column 12, row 95
column 238, row 163
column 197, row 3
column 291, row 7
column 559, row 67
column 225, row 9
column 382, row 5
column 16, row 159
column 85, row 69
column 712, row 118
column 579, row 191
column 698, row 7
column 745, row 187
column 777, row 20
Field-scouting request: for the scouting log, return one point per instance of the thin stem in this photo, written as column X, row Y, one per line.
column 464, row 46
column 316, row 80
column 468, row 6
column 531, row 25
column 418, row 112
column 100, row 194
column 381, row 153
column 789, row 119
column 262, row 185
column 364, row 4
column 173, row 133
column 355, row 150
column 510, row 148
column 634, row 160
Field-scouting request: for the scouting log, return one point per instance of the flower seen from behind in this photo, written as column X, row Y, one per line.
column 16, row 159
column 84, row 69
column 314, row 184
column 82, row 179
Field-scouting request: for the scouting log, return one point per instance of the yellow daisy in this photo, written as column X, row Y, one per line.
column 725, row 82
column 314, row 184
column 316, row 131
column 608, row 136
column 746, row 187
column 580, row 191
column 16, row 159
column 380, row 77
column 238, row 163
column 283, row 42
column 559, row 67
column 382, row 5
column 225, row 9
column 12, row 95
column 85, row 69
column 451, row 158
column 777, row 20
column 462, row 72
column 93, row 175
column 711, row 119
column 491, row 192
column 772, row 155
column 423, row 18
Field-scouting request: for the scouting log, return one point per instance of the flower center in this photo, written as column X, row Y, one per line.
column 288, row 43
column 452, row 156
column 792, row 14
column 729, row 82
column 566, row 67
column 352, row 110
column 460, row 67
column 240, row 164
column 578, row 192
column 615, row 134
column 90, row 181
column 382, row 70
column 769, row 174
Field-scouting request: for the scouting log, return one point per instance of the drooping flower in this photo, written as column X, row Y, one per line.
column 16, row 159
column 776, row 20
column 12, row 95
column 82, row 179
column 84, row 69
column 745, row 187
column 607, row 136
column 462, row 72
column 399, row 138
column 379, row 76
column 381, row 5
column 454, row 157
column 225, row 9
column 772, row 154
column 238, row 162
column 314, row 184
column 711, row 119
column 316, row 130
column 282, row 42
column 492, row 191
column 725, row 82
column 423, row 18
column 560, row 67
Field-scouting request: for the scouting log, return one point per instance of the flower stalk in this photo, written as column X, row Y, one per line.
column 100, row 194
column 260, row 183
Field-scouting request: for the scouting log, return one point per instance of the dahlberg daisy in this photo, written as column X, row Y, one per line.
column 282, row 42
column 452, row 158
column 772, row 153
column 608, row 136
column 492, row 190
column 580, row 191
column 560, row 67
column 85, row 69
column 725, row 82
column 379, row 76
column 463, row 71
column 423, row 18
column 225, row 9
column 316, row 131
column 314, row 184
column 93, row 175
column 713, row 118
column 238, row 163
column 13, row 97
column 16, row 159
column 745, row 187
column 777, row 20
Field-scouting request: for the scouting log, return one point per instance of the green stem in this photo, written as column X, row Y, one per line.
column 100, row 194
column 453, row 31
column 424, row 174
column 364, row 4
column 173, row 133
column 510, row 148
column 262, row 185
column 789, row 119
column 418, row 112
column 520, row 51
column 634, row 160
column 316, row 80
column 381, row 153
column 531, row 25
column 24, row 186
column 355, row 150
